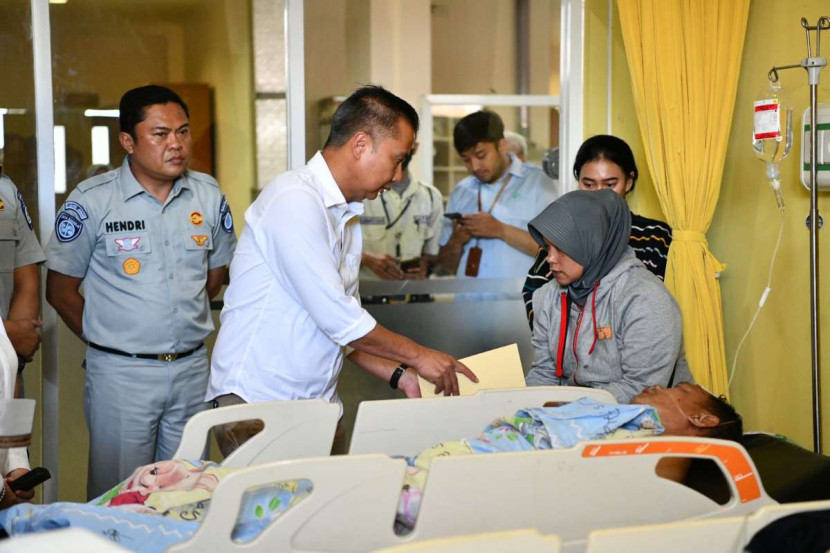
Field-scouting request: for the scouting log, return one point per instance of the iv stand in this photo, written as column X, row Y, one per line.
column 813, row 65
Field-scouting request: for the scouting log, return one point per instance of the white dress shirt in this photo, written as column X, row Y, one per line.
column 15, row 458
column 293, row 302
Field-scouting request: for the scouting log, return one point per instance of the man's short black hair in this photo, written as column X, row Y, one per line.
column 730, row 425
column 481, row 126
column 132, row 109
column 373, row 110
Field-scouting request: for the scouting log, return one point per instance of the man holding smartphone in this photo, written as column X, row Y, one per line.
column 496, row 202
column 401, row 228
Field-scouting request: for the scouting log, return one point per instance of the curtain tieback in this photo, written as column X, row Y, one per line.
column 695, row 236
column 688, row 236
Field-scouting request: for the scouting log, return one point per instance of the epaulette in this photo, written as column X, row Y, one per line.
column 202, row 177
column 97, row 180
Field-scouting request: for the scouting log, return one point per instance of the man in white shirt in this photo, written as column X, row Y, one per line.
column 292, row 311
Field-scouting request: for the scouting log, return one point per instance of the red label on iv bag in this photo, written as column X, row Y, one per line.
column 767, row 123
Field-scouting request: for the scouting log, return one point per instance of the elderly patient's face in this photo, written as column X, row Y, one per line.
column 675, row 405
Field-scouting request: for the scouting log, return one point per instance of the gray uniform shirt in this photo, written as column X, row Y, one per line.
column 144, row 265
column 639, row 335
column 18, row 245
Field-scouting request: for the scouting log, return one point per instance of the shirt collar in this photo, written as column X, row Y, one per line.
column 516, row 167
column 131, row 187
column 332, row 195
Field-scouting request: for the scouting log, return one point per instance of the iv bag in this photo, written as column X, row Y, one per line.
column 772, row 136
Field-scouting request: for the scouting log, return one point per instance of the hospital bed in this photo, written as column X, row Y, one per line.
column 407, row 427
column 566, row 492
column 293, row 430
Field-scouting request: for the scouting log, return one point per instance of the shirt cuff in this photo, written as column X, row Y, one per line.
column 17, row 458
column 64, row 270
column 214, row 262
column 22, row 261
column 361, row 328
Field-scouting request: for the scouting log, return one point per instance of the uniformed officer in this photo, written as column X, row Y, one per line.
column 20, row 255
column 150, row 242
column 401, row 224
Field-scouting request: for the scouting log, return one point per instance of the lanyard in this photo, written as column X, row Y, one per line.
column 498, row 195
column 389, row 222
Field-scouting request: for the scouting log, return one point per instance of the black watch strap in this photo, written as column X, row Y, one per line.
column 396, row 375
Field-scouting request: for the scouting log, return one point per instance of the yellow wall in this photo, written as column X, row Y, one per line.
column 218, row 52
column 772, row 388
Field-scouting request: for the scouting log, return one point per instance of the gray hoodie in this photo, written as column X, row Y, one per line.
column 636, row 339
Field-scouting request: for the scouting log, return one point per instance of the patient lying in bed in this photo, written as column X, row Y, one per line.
column 162, row 503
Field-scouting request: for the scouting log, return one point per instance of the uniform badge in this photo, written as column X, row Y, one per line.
column 604, row 333
column 225, row 215
column 67, row 227
column 200, row 239
column 2, row 204
column 127, row 244
column 131, row 266
column 25, row 211
column 77, row 208
column 196, row 218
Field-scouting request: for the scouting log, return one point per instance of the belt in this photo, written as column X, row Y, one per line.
column 155, row 356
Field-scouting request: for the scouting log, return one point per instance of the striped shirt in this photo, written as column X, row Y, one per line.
column 650, row 240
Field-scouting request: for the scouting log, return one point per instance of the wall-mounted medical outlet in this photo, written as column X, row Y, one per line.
column 823, row 147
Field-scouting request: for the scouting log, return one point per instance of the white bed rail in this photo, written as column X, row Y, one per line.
column 293, row 430
column 407, row 427
column 724, row 535
column 524, row 541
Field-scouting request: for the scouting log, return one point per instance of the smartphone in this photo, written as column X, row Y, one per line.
column 31, row 479
column 408, row 264
column 453, row 216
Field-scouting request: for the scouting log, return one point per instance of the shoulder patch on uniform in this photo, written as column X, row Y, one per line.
column 97, row 180
column 225, row 215
column 77, row 208
column 202, row 177
column 25, row 211
column 67, row 227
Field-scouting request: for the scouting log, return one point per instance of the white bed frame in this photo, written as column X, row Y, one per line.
column 293, row 430
column 566, row 492
column 726, row 535
column 524, row 541
column 407, row 426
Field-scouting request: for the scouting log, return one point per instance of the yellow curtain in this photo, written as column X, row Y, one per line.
column 684, row 57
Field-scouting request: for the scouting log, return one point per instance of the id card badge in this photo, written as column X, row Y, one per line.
column 473, row 262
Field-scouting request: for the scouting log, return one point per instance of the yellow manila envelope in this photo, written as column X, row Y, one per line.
column 497, row 368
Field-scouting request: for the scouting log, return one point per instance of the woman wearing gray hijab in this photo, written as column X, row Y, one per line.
column 604, row 321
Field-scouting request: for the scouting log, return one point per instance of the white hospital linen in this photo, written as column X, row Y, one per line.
column 15, row 458
column 293, row 302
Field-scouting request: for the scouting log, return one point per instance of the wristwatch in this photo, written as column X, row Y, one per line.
column 397, row 374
